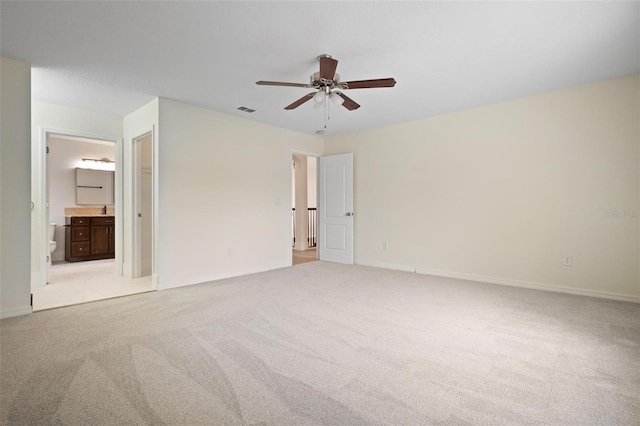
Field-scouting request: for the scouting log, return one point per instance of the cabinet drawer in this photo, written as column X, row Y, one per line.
column 103, row 220
column 80, row 221
column 80, row 233
column 80, row 249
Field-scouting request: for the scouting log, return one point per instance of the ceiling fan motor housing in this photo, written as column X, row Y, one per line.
column 318, row 82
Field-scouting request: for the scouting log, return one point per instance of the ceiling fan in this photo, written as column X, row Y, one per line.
column 328, row 85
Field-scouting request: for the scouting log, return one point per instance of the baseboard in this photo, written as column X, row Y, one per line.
column 502, row 281
column 531, row 285
column 127, row 270
column 282, row 265
column 155, row 280
column 382, row 265
column 15, row 312
column 210, row 278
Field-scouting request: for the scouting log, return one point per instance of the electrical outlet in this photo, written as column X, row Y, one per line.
column 385, row 245
column 228, row 252
column 567, row 261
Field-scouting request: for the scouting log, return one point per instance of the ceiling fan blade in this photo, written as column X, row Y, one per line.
column 300, row 101
column 328, row 68
column 279, row 83
column 369, row 84
column 348, row 103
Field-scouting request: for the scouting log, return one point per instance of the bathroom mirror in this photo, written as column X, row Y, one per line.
column 94, row 187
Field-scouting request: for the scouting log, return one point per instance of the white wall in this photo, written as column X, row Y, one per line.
column 15, row 180
column 68, row 121
column 312, row 181
column 63, row 158
column 224, row 185
column 136, row 124
column 301, row 202
column 503, row 192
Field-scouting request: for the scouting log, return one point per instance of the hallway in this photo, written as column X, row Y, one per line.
column 304, row 256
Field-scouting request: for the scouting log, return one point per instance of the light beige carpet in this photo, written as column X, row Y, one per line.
column 323, row 343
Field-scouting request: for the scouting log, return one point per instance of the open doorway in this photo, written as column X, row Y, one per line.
column 81, row 183
column 81, row 196
column 304, row 208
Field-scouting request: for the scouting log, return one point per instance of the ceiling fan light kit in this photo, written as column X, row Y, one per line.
column 336, row 98
column 328, row 85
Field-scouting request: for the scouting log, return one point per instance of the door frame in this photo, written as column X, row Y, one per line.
column 292, row 178
column 136, row 249
column 39, row 190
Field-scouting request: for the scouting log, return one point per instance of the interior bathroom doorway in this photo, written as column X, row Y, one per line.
column 304, row 225
column 80, row 184
column 77, row 227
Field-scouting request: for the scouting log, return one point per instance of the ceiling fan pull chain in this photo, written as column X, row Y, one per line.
column 326, row 111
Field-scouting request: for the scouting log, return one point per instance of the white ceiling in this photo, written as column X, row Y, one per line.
column 446, row 56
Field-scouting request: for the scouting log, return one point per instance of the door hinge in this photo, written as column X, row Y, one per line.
column 31, row 302
column 47, row 150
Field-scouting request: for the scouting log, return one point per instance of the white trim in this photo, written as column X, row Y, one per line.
column 155, row 280
column 217, row 277
column 41, row 209
column 282, row 265
column 134, row 238
column 35, row 279
column 127, row 270
column 501, row 281
column 39, row 196
column 305, row 153
column 119, row 205
column 392, row 266
column 531, row 285
column 155, row 201
column 16, row 312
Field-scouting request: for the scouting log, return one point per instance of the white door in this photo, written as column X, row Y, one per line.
column 335, row 215
column 143, row 206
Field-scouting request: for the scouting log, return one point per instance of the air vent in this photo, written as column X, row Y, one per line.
column 245, row 109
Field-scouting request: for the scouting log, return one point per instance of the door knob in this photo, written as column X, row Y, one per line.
column 349, row 214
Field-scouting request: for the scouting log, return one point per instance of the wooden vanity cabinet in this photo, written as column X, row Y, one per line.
column 89, row 238
column 102, row 236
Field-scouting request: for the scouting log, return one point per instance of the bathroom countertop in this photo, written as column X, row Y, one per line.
column 89, row 215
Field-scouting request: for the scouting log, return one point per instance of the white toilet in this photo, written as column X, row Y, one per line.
column 52, row 240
